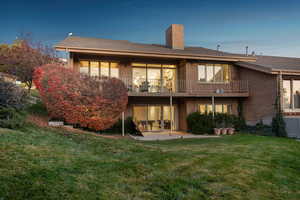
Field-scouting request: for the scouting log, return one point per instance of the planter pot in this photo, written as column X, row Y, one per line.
column 217, row 131
column 224, row 131
column 55, row 123
column 230, row 131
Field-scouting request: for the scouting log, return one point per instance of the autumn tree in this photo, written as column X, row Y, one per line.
column 80, row 99
column 21, row 58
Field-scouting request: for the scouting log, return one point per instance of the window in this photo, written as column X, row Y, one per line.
column 296, row 94
column 219, row 108
column 213, row 73
column 96, row 68
column 291, row 94
column 84, row 67
column 153, row 77
column 287, row 94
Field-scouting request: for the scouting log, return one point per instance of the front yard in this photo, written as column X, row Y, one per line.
column 43, row 163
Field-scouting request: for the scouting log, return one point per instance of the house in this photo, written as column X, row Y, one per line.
column 168, row 82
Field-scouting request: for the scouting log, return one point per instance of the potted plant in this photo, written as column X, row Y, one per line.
column 218, row 129
column 230, row 130
column 223, row 129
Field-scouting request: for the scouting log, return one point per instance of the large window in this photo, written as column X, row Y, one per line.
column 217, row 73
column 153, row 77
column 219, row 108
column 291, row 94
column 96, row 68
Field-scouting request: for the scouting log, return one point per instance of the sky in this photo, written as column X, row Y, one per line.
column 268, row 27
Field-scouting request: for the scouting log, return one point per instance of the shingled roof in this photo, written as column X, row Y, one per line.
column 268, row 64
column 273, row 64
column 74, row 42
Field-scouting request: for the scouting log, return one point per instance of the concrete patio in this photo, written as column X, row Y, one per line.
column 167, row 135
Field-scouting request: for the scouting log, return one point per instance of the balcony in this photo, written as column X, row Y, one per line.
column 186, row 88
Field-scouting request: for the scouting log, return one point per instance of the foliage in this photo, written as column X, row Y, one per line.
column 204, row 123
column 38, row 108
column 21, row 59
column 11, row 118
column 79, row 99
column 278, row 123
column 12, row 96
column 130, row 127
column 200, row 123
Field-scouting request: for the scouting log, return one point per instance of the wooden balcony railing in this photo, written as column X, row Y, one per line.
column 185, row 87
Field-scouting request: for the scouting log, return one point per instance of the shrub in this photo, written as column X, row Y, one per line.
column 200, row 123
column 130, row 127
column 205, row 123
column 11, row 118
column 278, row 125
column 13, row 101
column 79, row 99
column 12, row 96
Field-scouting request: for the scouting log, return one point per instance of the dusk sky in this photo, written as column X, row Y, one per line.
column 268, row 27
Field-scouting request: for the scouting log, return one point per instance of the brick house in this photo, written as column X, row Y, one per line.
column 167, row 82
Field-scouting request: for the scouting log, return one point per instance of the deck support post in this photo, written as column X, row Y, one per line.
column 123, row 124
column 171, row 113
column 213, row 106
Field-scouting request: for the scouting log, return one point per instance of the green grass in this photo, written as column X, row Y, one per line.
column 38, row 163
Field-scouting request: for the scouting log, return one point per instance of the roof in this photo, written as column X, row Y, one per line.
column 267, row 64
column 84, row 44
column 273, row 64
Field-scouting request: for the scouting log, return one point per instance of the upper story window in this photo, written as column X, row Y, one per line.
column 153, row 77
column 214, row 73
column 97, row 68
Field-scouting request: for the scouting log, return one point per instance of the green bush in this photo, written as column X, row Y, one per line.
column 200, row 123
column 38, row 109
column 205, row 123
column 11, row 118
column 278, row 125
column 130, row 127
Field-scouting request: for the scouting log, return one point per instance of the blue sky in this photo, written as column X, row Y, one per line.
column 268, row 27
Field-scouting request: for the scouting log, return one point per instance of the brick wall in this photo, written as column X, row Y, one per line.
column 262, row 95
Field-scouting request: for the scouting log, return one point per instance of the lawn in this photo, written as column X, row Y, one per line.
column 43, row 163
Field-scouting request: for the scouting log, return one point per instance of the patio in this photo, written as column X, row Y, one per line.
column 167, row 135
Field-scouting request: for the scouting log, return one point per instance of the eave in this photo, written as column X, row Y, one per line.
column 152, row 54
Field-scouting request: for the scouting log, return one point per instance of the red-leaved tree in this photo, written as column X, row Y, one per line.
column 80, row 99
column 21, row 58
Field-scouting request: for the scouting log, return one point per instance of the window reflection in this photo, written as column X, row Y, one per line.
column 94, row 68
column 153, row 77
column 114, row 70
column 287, row 94
column 84, row 67
column 296, row 94
column 213, row 73
column 219, row 108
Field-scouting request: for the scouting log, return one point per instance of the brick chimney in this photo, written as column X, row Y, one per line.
column 175, row 36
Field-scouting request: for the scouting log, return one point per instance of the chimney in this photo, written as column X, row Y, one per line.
column 175, row 36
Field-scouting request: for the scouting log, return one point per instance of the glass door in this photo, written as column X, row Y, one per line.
column 154, row 117
column 154, row 79
column 169, row 80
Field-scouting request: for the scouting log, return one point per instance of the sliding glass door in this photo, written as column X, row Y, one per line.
column 154, row 117
column 153, row 78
